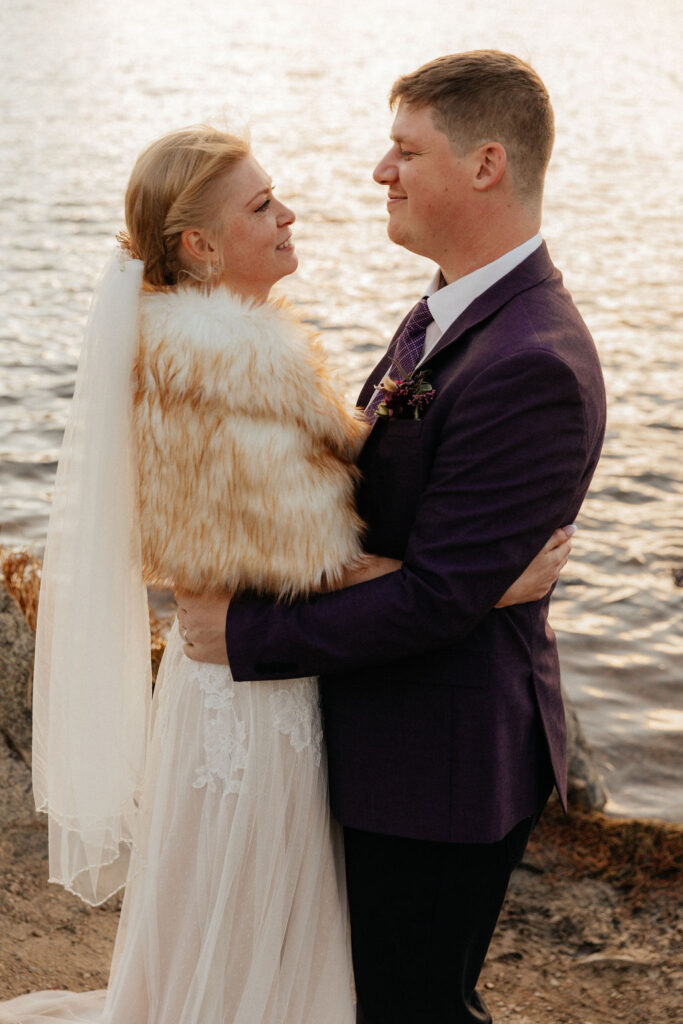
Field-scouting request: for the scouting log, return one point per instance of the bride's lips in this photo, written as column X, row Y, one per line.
column 285, row 246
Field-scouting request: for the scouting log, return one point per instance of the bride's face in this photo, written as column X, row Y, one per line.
column 255, row 243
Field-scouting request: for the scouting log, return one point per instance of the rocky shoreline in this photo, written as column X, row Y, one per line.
column 591, row 932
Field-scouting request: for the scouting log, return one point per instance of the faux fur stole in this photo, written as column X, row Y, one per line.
column 246, row 448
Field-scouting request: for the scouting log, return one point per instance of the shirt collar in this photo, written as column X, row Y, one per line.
column 447, row 303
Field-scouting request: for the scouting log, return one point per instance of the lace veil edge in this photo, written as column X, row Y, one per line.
column 92, row 677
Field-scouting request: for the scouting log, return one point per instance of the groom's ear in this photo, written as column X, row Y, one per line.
column 490, row 161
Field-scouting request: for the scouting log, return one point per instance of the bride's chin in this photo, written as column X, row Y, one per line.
column 284, row 268
column 292, row 264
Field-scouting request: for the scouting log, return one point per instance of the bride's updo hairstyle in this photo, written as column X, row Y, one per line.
column 172, row 188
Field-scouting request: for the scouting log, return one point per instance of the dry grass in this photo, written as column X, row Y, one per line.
column 635, row 855
column 21, row 573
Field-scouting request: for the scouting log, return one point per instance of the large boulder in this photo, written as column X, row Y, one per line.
column 585, row 787
column 17, row 643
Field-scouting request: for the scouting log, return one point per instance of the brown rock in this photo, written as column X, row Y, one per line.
column 17, row 643
column 585, row 787
column 17, row 811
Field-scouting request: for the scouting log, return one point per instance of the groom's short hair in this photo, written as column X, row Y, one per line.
column 487, row 96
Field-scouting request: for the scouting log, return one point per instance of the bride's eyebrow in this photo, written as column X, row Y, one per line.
column 261, row 192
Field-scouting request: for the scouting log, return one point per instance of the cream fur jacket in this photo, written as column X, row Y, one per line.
column 245, row 449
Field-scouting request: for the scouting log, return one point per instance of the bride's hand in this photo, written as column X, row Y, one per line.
column 369, row 568
column 539, row 575
column 201, row 621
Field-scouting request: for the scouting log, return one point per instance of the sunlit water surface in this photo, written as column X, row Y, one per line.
column 87, row 84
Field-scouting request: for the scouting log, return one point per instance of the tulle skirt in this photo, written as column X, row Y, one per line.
column 235, row 906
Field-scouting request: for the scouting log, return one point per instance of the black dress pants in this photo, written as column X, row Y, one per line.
column 422, row 917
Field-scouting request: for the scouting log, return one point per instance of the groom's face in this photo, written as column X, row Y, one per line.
column 429, row 187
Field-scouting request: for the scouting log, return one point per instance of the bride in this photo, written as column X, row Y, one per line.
column 228, row 464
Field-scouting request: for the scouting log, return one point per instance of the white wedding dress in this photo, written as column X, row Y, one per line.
column 235, row 907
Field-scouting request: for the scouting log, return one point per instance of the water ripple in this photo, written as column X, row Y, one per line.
column 311, row 81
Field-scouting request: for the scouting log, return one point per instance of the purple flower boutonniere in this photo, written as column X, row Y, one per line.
column 405, row 399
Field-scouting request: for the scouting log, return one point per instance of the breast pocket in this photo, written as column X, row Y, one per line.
column 401, row 430
column 401, row 441
column 395, row 465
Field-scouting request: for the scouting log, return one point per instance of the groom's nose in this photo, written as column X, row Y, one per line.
column 385, row 171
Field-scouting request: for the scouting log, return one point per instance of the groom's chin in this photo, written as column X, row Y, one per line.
column 397, row 233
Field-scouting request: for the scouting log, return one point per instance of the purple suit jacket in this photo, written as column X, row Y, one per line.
column 443, row 716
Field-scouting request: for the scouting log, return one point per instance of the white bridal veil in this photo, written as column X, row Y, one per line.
column 92, row 682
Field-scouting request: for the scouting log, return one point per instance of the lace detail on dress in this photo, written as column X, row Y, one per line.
column 224, row 734
column 296, row 713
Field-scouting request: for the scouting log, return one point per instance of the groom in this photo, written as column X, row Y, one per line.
column 443, row 716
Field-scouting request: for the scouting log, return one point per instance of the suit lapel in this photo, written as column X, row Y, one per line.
column 535, row 268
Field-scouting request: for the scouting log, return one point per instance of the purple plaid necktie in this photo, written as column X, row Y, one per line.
column 408, row 351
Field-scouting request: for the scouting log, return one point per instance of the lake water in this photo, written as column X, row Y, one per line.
column 86, row 84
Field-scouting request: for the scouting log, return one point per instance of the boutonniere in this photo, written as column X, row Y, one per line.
column 405, row 399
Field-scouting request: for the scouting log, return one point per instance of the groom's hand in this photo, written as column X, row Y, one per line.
column 201, row 620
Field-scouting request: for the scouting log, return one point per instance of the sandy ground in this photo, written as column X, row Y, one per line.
column 579, row 950
column 592, row 931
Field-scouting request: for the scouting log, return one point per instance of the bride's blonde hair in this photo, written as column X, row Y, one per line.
column 171, row 189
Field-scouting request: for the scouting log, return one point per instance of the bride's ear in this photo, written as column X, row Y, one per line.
column 196, row 245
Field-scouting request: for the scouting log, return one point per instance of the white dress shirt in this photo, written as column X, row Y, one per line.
column 447, row 303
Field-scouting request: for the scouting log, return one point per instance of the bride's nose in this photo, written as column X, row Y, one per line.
column 285, row 216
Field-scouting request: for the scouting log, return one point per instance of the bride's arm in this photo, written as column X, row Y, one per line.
column 540, row 575
column 532, row 585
